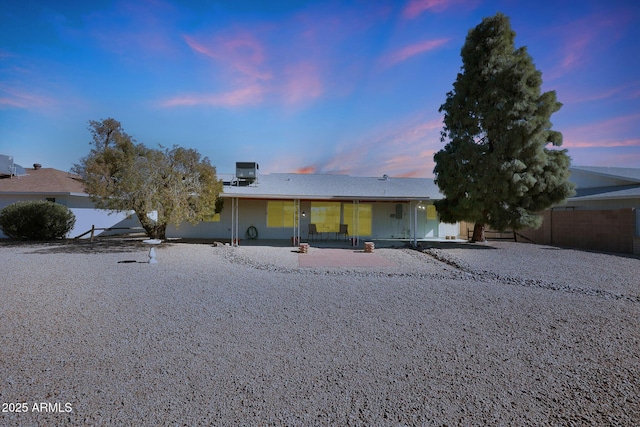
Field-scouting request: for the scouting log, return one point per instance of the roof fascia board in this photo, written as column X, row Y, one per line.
column 307, row 197
column 45, row 193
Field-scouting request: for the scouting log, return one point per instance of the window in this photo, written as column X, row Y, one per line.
column 212, row 218
column 431, row 212
column 280, row 213
column 363, row 211
column 326, row 216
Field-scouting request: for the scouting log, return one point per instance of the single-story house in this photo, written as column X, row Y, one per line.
column 322, row 206
column 271, row 206
column 20, row 184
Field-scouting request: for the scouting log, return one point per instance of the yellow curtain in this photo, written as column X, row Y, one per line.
column 326, row 216
column 280, row 213
column 364, row 213
column 213, row 218
column 431, row 212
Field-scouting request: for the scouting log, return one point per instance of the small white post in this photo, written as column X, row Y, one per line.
column 152, row 250
column 152, row 256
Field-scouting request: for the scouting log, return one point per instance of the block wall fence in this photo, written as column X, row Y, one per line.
column 601, row 230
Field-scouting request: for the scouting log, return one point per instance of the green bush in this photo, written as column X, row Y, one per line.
column 36, row 220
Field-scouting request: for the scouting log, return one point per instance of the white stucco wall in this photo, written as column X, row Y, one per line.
column 86, row 218
column 81, row 206
column 385, row 223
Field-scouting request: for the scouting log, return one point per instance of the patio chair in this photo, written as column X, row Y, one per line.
column 313, row 231
column 344, row 231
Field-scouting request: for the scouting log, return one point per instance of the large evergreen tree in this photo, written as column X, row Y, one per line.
column 496, row 169
column 161, row 186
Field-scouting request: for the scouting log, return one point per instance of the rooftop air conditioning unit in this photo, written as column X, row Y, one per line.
column 246, row 172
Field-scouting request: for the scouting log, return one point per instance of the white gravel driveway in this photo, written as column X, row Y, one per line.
column 500, row 334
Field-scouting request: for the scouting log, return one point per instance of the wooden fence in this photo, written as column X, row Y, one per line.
column 94, row 229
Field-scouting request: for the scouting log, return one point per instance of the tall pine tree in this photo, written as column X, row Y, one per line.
column 496, row 169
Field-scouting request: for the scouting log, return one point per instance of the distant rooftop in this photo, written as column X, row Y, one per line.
column 628, row 187
column 41, row 181
column 631, row 174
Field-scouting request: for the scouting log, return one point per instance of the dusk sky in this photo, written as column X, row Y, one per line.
column 300, row 86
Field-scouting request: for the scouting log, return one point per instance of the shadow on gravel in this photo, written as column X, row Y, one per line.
column 453, row 245
column 81, row 246
column 591, row 251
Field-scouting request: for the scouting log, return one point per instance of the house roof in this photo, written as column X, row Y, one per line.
column 628, row 174
column 43, row 181
column 340, row 187
column 630, row 190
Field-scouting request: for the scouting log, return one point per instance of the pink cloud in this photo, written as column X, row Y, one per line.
column 605, row 157
column 250, row 95
column 632, row 142
column 607, row 127
column 243, row 57
column 412, row 174
column 306, row 170
column 582, row 41
column 402, row 148
column 302, row 83
column 607, row 133
column 296, row 61
column 248, row 65
column 241, row 53
column 411, row 51
column 575, row 53
column 411, row 165
column 416, row 7
column 626, row 91
column 22, row 99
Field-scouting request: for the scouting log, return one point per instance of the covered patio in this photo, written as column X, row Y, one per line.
column 338, row 210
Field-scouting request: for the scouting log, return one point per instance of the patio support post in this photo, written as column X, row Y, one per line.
column 235, row 237
column 415, row 223
column 355, row 220
column 296, row 222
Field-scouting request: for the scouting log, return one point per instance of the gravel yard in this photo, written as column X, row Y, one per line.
column 495, row 334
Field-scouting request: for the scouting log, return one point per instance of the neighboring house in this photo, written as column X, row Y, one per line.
column 604, row 214
column 19, row 184
column 605, row 187
column 286, row 205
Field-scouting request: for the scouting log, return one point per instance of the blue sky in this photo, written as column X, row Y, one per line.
column 300, row 86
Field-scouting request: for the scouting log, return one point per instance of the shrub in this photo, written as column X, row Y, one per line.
column 36, row 220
